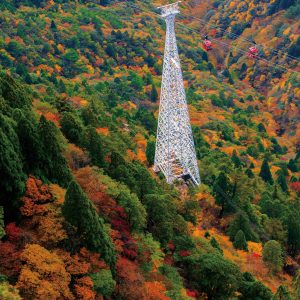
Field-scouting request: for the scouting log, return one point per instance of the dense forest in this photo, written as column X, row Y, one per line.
column 82, row 213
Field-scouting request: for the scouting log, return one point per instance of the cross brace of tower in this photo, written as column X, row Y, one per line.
column 175, row 154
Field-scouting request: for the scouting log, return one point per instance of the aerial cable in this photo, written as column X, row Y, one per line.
column 277, row 52
column 204, row 22
column 217, row 41
column 240, row 50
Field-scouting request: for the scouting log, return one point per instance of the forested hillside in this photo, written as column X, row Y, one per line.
column 82, row 213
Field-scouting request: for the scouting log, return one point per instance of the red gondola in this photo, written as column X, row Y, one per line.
column 253, row 52
column 207, row 45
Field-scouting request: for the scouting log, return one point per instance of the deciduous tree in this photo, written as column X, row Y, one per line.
column 43, row 275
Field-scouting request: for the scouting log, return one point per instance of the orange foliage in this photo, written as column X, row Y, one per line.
column 95, row 190
column 82, row 263
column 87, row 28
column 141, row 149
column 43, row 275
column 45, row 224
column 84, row 288
column 78, row 101
column 103, row 131
column 156, row 290
column 52, row 117
column 35, row 197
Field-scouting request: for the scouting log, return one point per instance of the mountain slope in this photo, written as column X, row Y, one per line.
column 82, row 214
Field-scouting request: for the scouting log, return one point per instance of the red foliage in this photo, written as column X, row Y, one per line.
column 109, row 208
column 10, row 263
column 184, row 253
column 171, row 246
column 295, row 186
column 256, row 255
column 36, row 195
column 192, row 293
column 82, row 263
column 130, row 282
column 13, row 232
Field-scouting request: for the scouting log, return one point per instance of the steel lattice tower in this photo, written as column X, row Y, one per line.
column 175, row 152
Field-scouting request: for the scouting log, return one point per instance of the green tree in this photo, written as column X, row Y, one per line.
column 54, row 165
column 249, row 173
column 104, row 283
column 275, row 230
column 282, row 293
column 13, row 93
column 223, row 193
column 94, row 144
column 150, row 152
column 2, row 232
column 261, row 127
column 154, row 94
column 272, row 256
column 240, row 241
column 235, row 159
column 27, row 130
column 241, row 222
column 217, row 277
column 291, row 220
column 12, row 183
column 250, row 289
column 265, row 172
column 71, row 55
column 297, row 285
column 53, row 25
column 162, row 217
column 216, row 245
column 292, row 165
column 71, row 127
column 80, row 212
column 281, row 180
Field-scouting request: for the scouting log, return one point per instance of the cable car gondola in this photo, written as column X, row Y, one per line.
column 207, row 45
column 253, row 51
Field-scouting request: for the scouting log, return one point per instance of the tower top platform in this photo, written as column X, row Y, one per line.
column 170, row 9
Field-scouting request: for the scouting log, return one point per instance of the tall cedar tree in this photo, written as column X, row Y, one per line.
column 55, row 166
column 223, row 193
column 80, row 212
column 281, row 180
column 282, row 293
column 250, row 288
column 150, row 152
column 94, row 144
column 27, row 130
column 12, row 183
column 241, row 222
column 236, row 160
column 265, row 172
column 216, row 245
column 71, row 127
column 154, row 94
column 240, row 241
column 13, row 93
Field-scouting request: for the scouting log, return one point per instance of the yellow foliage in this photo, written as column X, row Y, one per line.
column 61, row 48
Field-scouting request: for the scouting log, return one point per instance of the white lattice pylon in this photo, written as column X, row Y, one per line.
column 175, row 154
